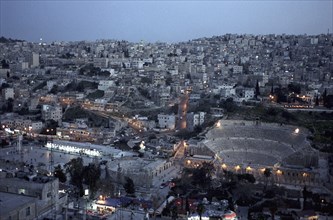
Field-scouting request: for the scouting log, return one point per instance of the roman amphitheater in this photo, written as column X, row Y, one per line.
column 251, row 146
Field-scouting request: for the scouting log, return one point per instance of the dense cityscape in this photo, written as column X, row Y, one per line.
column 223, row 127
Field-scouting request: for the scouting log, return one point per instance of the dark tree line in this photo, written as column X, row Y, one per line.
column 81, row 174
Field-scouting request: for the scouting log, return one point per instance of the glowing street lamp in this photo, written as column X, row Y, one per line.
column 296, row 130
column 224, row 166
column 237, row 168
column 279, row 172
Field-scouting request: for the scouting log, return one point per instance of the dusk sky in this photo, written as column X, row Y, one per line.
column 167, row 21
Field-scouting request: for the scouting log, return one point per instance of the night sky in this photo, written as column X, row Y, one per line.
column 166, row 21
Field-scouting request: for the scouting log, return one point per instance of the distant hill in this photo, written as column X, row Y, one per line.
column 9, row 40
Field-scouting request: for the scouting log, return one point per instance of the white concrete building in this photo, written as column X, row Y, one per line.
column 50, row 84
column 166, row 121
column 36, row 126
column 237, row 69
column 227, row 92
column 34, row 60
column 52, row 112
column 105, row 84
column 137, row 64
column 248, row 94
column 101, row 62
column 8, row 93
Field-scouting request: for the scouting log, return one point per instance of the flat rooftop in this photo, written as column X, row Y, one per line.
column 10, row 202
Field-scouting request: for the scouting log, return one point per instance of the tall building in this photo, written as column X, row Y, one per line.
column 166, row 121
column 52, row 112
column 29, row 196
column 33, row 60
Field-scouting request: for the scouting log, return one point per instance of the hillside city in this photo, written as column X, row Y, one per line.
column 222, row 127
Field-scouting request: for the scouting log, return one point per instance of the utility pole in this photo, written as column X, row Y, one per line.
column 20, row 150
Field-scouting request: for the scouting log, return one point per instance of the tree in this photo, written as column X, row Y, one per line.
column 5, row 85
column 39, row 86
column 54, row 89
column 129, row 186
column 257, row 91
column 201, row 209
column 10, row 105
column 4, row 64
column 305, row 193
column 273, row 208
column 146, row 80
column 280, row 94
column 288, row 116
column 229, row 105
column 96, row 94
column 247, row 177
column 174, row 212
column 317, row 101
column 198, row 129
column 325, row 97
column 188, row 76
column 59, row 173
column 293, row 87
column 187, row 205
column 106, row 187
column 168, row 81
column 267, row 174
column 91, row 174
column 202, row 176
column 3, row 143
column 75, row 169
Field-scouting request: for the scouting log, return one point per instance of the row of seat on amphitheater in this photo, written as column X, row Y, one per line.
column 259, row 132
column 248, row 158
column 268, row 147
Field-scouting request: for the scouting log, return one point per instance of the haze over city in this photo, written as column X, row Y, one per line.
column 166, row 21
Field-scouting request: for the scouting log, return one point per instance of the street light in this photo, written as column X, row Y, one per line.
column 305, row 175
column 237, row 168
column 85, row 198
column 279, row 172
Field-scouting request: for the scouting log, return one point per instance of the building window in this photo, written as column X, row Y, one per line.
column 27, row 211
